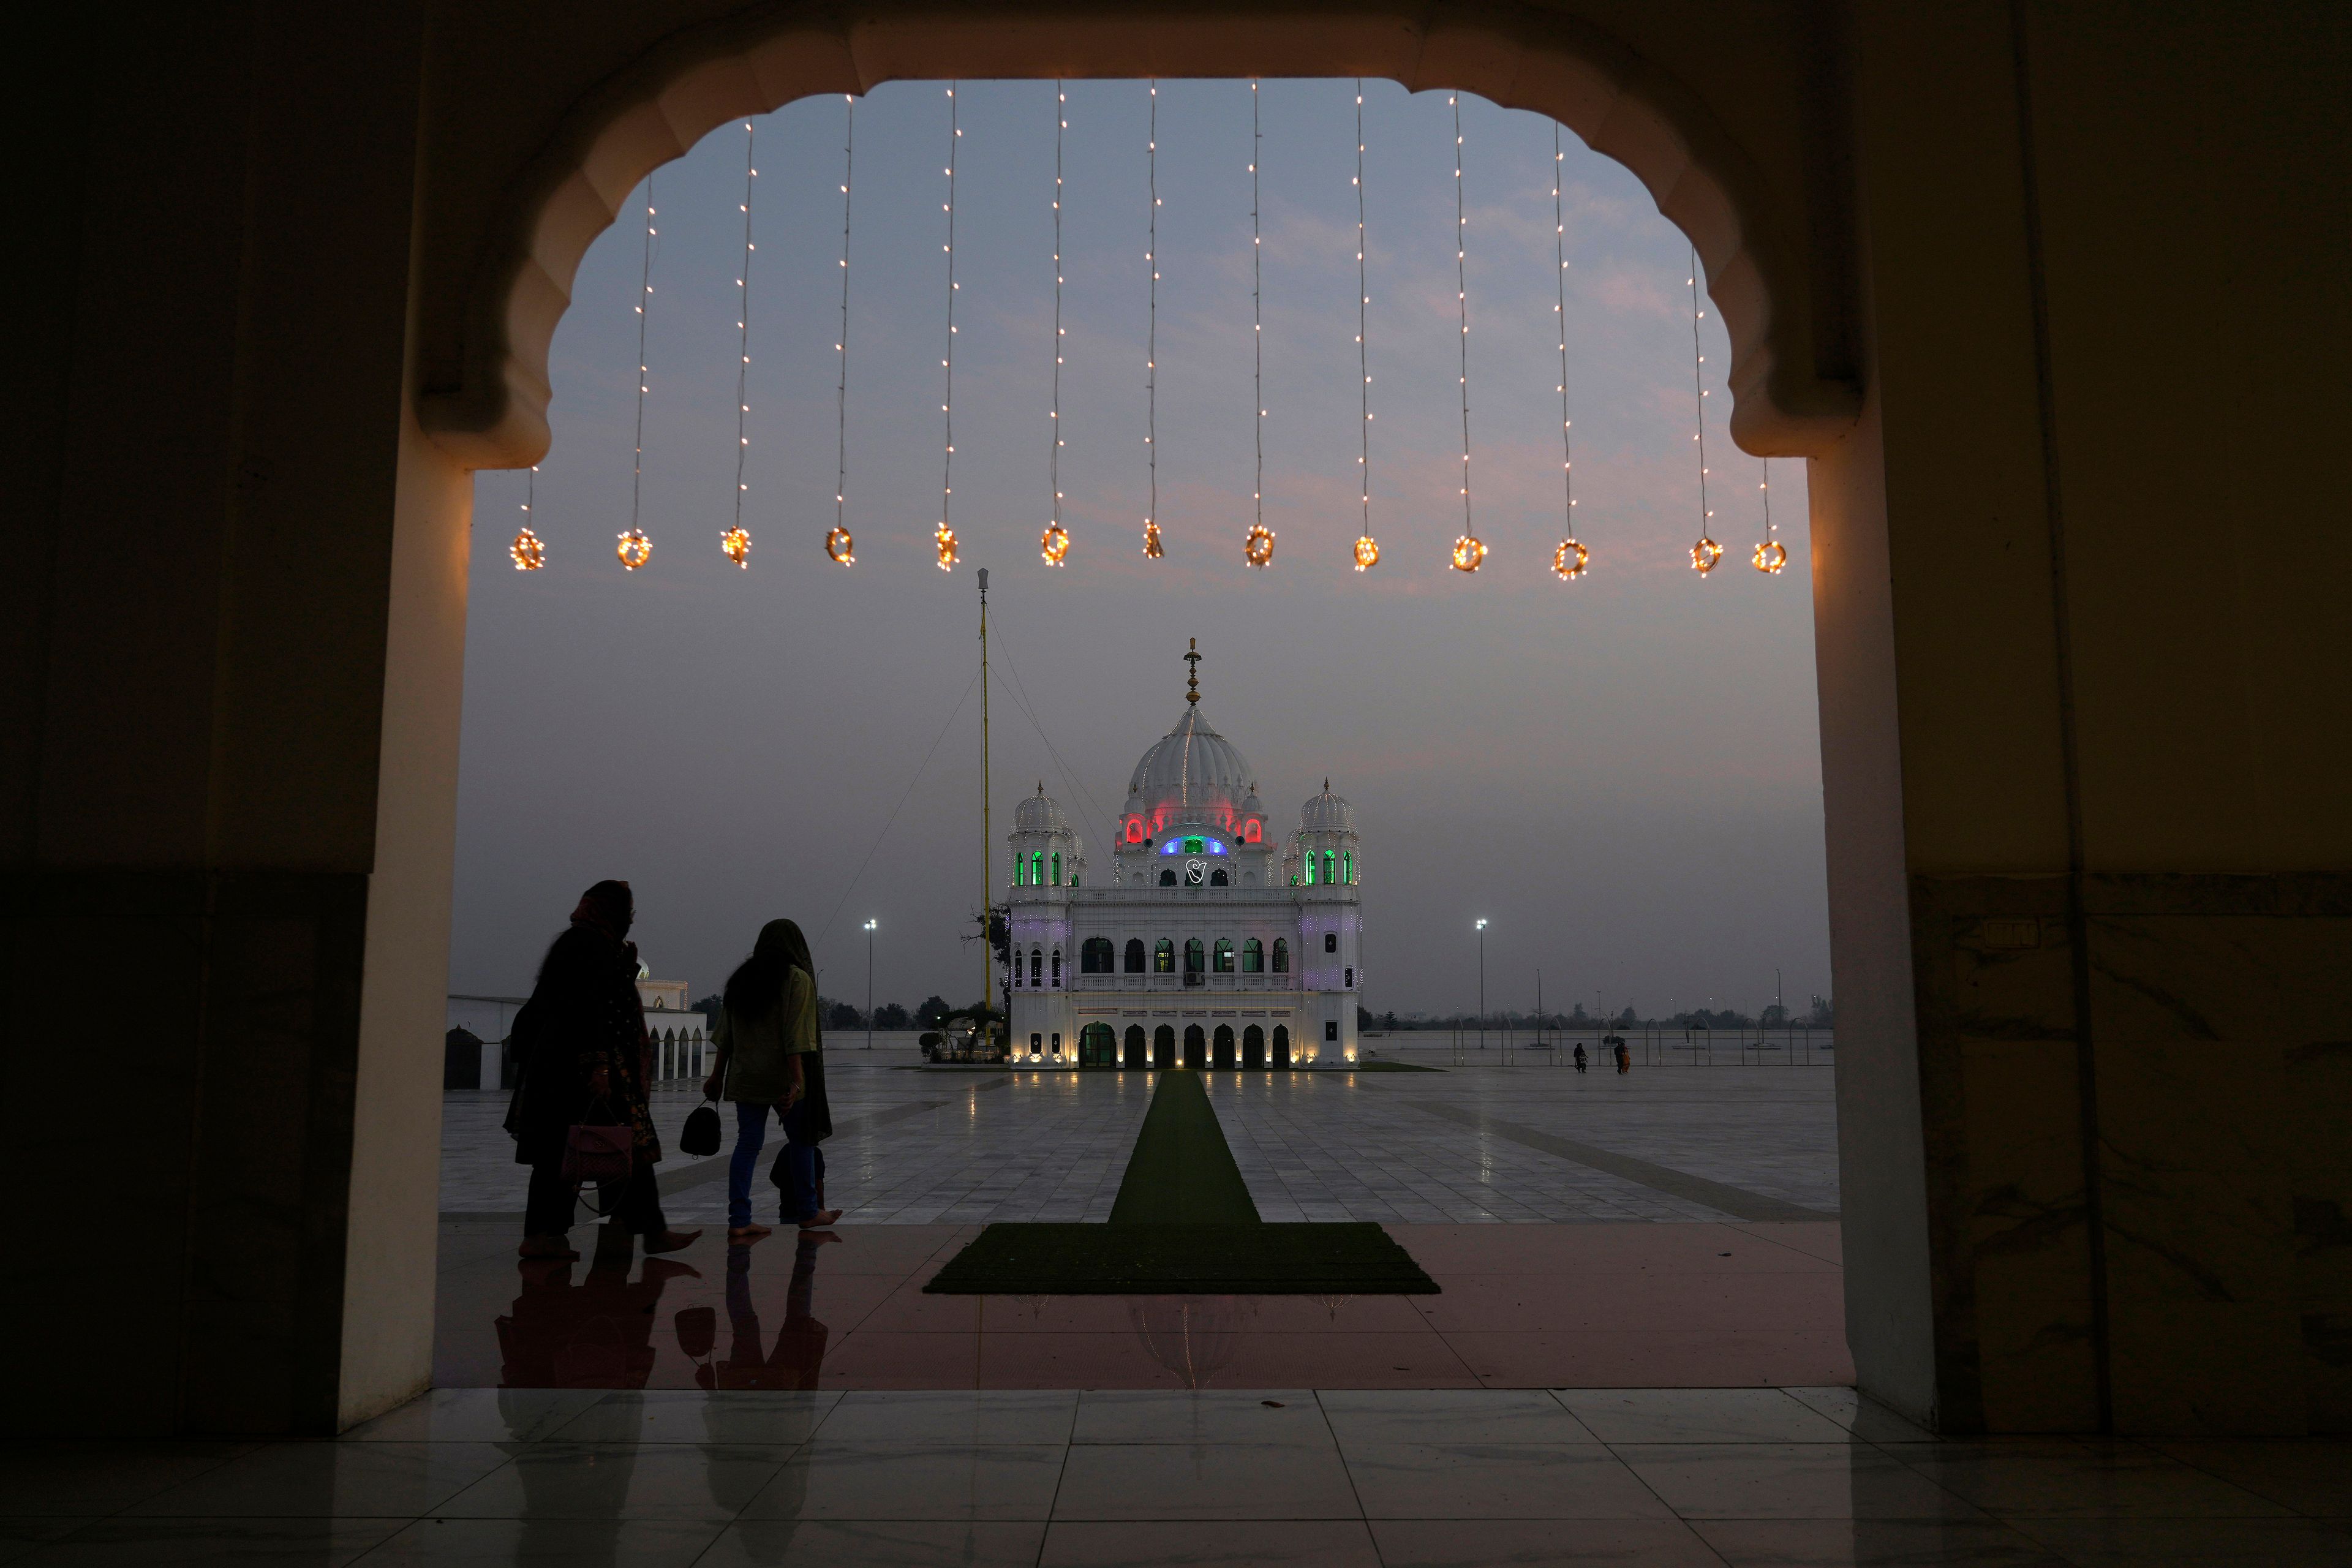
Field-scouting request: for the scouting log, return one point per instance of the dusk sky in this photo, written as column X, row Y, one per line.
column 1621, row 773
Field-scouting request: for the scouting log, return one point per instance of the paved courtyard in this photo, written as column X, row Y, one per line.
column 1469, row 1145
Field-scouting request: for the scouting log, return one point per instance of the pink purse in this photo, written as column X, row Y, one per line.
column 598, row 1154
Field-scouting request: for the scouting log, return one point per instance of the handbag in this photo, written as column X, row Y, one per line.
column 700, row 1134
column 598, row 1151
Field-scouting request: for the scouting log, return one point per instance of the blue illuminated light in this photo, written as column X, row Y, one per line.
column 1201, row 846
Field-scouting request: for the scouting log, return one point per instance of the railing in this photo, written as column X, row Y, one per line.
column 1796, row 1045
column 1255, row 980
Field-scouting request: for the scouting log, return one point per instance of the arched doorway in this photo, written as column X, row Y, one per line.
column 1138, row 1055
column 1163, row 1046
column 1196, row 1047
column 1253, row 1046
column 1223, row 1052
column 1097, row 1047
column 1281, row 1044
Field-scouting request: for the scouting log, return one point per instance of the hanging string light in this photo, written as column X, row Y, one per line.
column 1707, row 551
column 635, row 549
column 735, row 544
column 1258, row 548
column 1469, row 553
column 1368, row 549
column 1770, row 555
column 943, row 537
column 528, row 552
column 837, row 542
column 1568, row 561
column 1152, row 340
column 1054, row 544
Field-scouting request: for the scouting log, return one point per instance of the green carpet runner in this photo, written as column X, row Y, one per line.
column 1183, row 1224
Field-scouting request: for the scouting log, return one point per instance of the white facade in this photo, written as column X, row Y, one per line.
column 1213, row 940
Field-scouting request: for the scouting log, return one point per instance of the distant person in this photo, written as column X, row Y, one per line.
column 583, row 1056
column 1579, row 1056
column 771, row 1061
column 1624, row 1057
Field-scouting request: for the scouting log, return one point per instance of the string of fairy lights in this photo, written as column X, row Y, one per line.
column 1151, row 545
column 736, row 543
column 1054, row 544
column 1257, row 547
column 1570, row 560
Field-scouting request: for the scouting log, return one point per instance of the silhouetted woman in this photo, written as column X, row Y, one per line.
column 583, row 1056
column 771, row 1061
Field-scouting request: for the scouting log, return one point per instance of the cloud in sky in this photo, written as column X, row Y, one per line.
column 1622, row 774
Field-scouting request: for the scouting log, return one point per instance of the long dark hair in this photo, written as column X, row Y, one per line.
column 757, row 986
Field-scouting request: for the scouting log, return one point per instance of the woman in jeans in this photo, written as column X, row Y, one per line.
column 582, row 1048
column 770, row 1060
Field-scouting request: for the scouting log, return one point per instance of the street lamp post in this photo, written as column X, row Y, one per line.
column 1482, row 985
column 869, row 985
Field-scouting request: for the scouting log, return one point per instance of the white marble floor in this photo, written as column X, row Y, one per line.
column 1477, row 1144
column 1433, row 1478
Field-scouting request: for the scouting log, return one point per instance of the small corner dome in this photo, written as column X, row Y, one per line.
column 1252, row 807
column 1328, row 813
column 1038, row 813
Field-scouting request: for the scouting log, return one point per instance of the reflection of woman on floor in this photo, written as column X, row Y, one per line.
column 598, row 1334
column 799, row 1353
column 772, row 1059
column 582, row 1055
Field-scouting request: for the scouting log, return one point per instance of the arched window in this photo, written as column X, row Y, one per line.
column 1281, row 956
column 1217, row 877
column 1094, row 956
column 1057, row 869
column 1330, row 942
column 1347, row 867
column 1224, row 956
column 1193, row 847
column 1195, row 956
column 1020, row 870
column 1252, row 957
column 1057, row 966
column 1168, row 879
column 1306, row 864
column 1037, row 869
column 1329, row 866
column 1135, row 955
column 1163, row 957
column 1251, row 832
column 1036, row 966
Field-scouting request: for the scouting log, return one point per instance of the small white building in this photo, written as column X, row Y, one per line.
column 680, row 1036
column 1214, row 939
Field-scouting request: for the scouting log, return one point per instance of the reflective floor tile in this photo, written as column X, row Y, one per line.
column 2018, row 1477
column 998, row 1416
column 1497, row 1480
column 1873, row 1544
column 620, row 1480
column 911, row 1481
column 1288, row 1416
column 1700, row 1416
column 1203, row 1481
column 2206, row 1542
column 333, row 1480
column 672, row 1415
column 1307, row 1543
column 1505, row 1543
column 477, row 1415
column 1865, row 1419
column 570, row 1542
column 78, row 1477
column 1450, row 1415
column 861, row 1543
column 2312, row 1475
column 19, row 1537
column 230, row 1543
column 1789, row 1480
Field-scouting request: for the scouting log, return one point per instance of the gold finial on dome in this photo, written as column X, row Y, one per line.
column 1193, row 671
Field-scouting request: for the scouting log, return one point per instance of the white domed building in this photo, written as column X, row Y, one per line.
column 1214, row 941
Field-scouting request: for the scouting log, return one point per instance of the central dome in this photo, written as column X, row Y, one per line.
column 1192, row 767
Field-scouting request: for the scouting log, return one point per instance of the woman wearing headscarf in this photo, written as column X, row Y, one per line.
column 772, row 1061
column 581, row 1052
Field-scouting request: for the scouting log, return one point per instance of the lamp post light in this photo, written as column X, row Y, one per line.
column 869, row 985
column 1482, row 985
